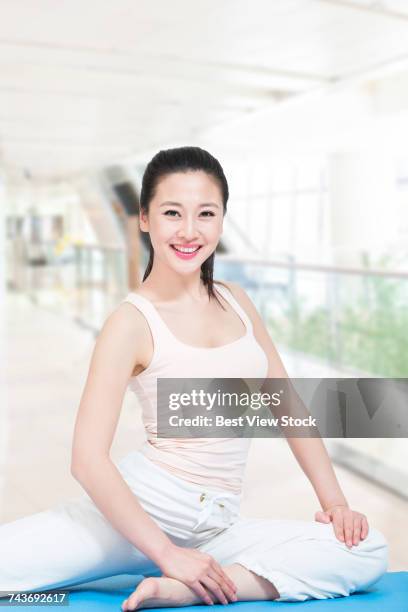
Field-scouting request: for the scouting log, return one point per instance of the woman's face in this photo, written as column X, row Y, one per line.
column 187, row 211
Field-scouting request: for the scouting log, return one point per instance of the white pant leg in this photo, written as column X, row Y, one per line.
column 68, row 544
column 73, row 542
column 303, row 560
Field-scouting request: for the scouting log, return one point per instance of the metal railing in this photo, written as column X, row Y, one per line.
column 351, row 318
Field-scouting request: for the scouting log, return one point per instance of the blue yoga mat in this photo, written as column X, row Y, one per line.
column 389, row 594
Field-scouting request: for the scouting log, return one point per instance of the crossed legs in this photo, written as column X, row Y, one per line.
column 154, row 592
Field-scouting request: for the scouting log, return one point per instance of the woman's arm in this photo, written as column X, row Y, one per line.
column 117, row 350
column 310, row 453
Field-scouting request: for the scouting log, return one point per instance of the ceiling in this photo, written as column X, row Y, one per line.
column 86, row 84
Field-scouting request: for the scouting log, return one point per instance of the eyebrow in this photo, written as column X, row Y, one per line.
column 181, row 205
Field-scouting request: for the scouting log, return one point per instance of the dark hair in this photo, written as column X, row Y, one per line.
column 182, row 159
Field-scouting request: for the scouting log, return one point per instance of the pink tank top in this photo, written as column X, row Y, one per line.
column 217, row 463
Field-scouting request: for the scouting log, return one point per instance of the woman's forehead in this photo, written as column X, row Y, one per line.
column 189, row 186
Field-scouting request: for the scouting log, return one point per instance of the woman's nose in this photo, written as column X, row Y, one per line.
column 188, row 229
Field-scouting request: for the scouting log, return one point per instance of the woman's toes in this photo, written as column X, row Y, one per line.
column 147, row 589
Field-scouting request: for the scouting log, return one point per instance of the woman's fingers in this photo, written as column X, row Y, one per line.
column 357, row 530
column 218, row 569
column 343, row 526
column 201, row 592
column 223, row 585
column 348, row 529
column 338, row 527
column 364, row 530
column 215, row 589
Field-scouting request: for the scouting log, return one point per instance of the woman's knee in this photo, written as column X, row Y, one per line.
column 375, row 541
column 375, row 546
column 368, row 560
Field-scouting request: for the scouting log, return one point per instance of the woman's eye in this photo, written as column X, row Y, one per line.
column 205, row 212
column 170, row 211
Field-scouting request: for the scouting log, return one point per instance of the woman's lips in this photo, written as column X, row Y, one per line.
column 184, row 255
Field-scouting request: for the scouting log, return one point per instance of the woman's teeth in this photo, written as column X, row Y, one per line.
column 185, row 250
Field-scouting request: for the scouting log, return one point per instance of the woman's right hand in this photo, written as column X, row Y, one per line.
column 198, row 570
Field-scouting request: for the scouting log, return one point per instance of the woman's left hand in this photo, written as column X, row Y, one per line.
column 349, row 526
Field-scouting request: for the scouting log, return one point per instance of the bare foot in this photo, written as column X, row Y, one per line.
column 158, row 592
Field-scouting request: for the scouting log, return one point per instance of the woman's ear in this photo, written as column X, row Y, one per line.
column 143, row 222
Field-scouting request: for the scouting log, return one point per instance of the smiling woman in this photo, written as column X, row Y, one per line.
column 172, row 508
column 182, row 204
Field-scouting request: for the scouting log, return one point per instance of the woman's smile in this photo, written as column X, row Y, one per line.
column 184, row 252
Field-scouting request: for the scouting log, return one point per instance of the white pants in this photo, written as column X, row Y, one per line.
column 73, row 542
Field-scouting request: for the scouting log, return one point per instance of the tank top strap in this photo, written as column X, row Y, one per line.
column 226, row 293
column 159, row 330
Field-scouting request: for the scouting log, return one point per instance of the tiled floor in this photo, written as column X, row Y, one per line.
column 48, row 358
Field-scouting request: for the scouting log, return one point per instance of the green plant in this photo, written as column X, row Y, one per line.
column 366, row 330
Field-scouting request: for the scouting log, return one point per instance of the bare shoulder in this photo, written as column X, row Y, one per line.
column 126, row 317
column 127, row 326
column 134, row 318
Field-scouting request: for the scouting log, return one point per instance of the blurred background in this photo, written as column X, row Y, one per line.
column 305, row 104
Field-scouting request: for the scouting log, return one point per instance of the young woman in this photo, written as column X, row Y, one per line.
column 170, row 511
